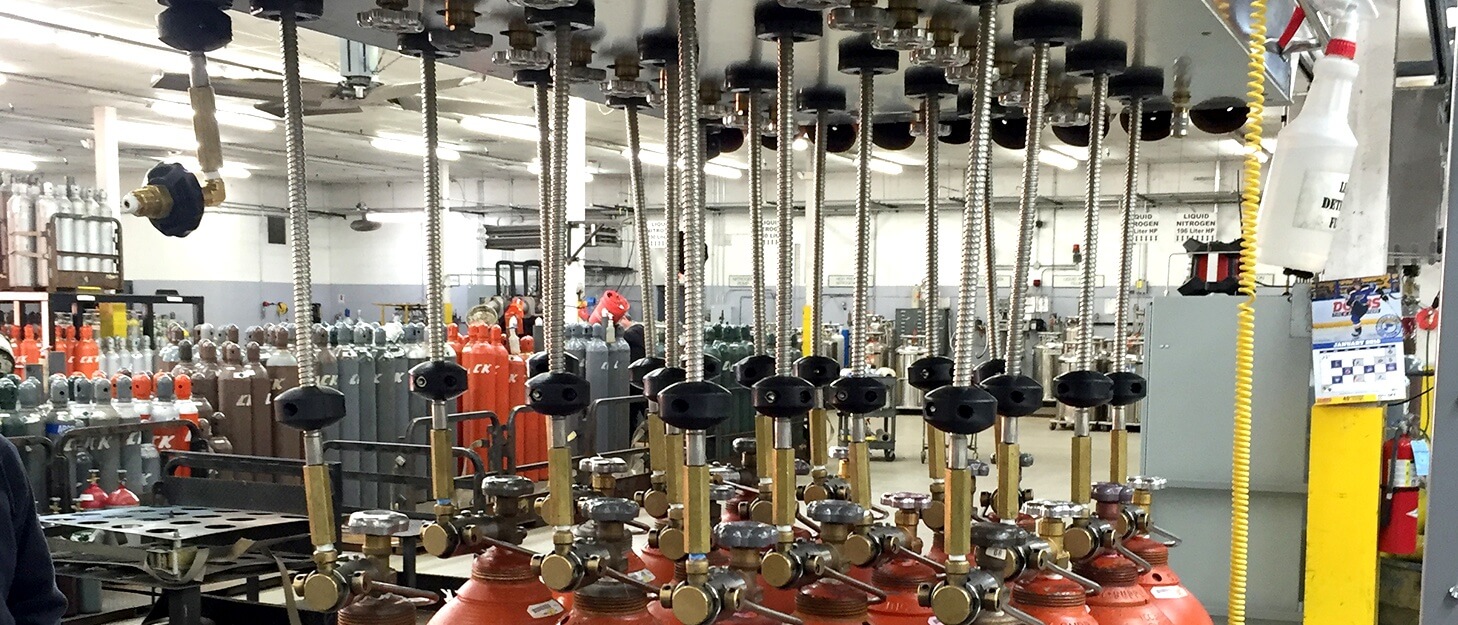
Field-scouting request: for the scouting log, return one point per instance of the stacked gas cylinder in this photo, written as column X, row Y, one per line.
column 33, row 207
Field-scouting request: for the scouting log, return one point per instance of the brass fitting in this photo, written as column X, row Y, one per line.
column 1118, row 456
column 318, row 499
column 819, row 445
column 521, row 37
column 904, row 13
column 321, row 591
column 1082, row 474
column 442, row 468
column 460, row 14
column 214, row 192
column 654, row 502
column 151, row 201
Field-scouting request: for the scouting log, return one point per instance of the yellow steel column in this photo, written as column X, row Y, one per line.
column 1341, row 514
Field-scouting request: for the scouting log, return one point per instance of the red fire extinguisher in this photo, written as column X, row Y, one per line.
column 1399, row 515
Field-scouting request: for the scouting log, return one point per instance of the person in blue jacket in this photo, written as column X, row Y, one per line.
column 27, row 578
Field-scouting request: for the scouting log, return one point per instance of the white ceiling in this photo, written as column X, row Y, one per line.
column 105, row 53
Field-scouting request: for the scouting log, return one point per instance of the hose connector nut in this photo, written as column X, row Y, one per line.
column 751, row 369
column 774, row 21
column 390, row 20
column 819, row 371
column 1129, row 388
column 1083, row 389
column 558, row 394
column 1017, row 395
column 309, row 408
column 661, row 378
column 931, row 372
column 640, row 369
column 858, row 19
column 782, row 396
column 858, row 395
column 695, row 405
column 438, row 380
column 964, row 410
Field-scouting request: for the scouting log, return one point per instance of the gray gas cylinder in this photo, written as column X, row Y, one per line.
column 619, row 356
column 392, row 400
column 348, row 360
column 205, row 378
column 106, row 450
column 369, row 379
column 126, row 413
column 575, row 343
column 599, row 368
column 31, row 423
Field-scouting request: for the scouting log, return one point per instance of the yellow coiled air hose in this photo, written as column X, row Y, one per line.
column 1250, row 203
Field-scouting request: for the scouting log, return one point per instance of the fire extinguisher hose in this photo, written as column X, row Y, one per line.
column 1250, row 202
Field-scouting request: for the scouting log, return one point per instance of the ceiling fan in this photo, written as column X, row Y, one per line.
column 357, row 89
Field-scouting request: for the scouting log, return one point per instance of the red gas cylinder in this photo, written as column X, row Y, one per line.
column 830, row 602
column 478, row 384
column 30, row 348
column 609, row 602
column 1165, row 589
column 528, row 344
column 66, row 344
column 653, row 560
column 503, row 590
column 1122, row 601
column 1053, row 599
column 122, row 496
column 88, row 354
column 900, row 578
column 142, row 394
column 500, row 371
column 92, row 497
column 938, row 550
column 453, row 336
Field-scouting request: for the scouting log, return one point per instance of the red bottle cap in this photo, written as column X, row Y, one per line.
column 1344, row 48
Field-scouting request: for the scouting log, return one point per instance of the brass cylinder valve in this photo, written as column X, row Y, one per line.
column 508, row 502
column 521, row 53
column 378, row 527
column 902, row 34
column 603, row 473
column 941, row 48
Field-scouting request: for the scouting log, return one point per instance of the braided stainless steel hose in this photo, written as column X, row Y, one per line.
column 1126, row 252
column 693, row 187
column 756, row 222
column 298, row 193
column 785, row 206
column 929, row 297
column 434, row 252
column 640, row 225
column 544, row 189
column 816, row 282
column 555, row 308
column 977, row 210
column 860, row 317
column 673, row 296
column 1027, row 209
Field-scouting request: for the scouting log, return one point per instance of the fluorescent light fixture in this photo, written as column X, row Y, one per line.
column 900, row 158
column 2, row 79
column 1071, row 151
column 728, row 162
column 877, row 165
column 10, row 161
column 1057, row 159
column 179, row 110
column 534, row 167
column 412, row 148
column 503, row 128
column 659, row 159
column 176, row 138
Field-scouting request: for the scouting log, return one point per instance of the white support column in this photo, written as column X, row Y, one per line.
column 576, row 273
column 1360, row 245
column 108, row 156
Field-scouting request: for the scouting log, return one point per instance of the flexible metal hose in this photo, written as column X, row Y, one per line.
column 977, row 209
column 693, row 187
column 1245, row 324
column 930, row 296
column 544, row 188
column 756, row 222
column 640, row 224
column 1091, row 224
column 817, row 236
column 860, row 317
column 434, row 254
column 785, row 206
column 1027, row 209
column 672, row 196
column 1126, row 233
column 555, row 308
column 298, row 195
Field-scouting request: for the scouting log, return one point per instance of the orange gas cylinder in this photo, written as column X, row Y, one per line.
column 528, row 344
column 478, row 383
column 65, row 344
column 900, row 577
column 778, row 599
column 1165, row 589
column 1053, row 599
column 500, row 371
column 88, row 354
column 502, row 589
column 830, row 602
column 609, row 602
column 30, row 347
column 1122, row 601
